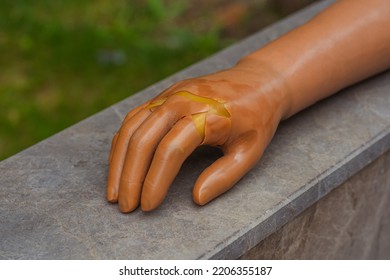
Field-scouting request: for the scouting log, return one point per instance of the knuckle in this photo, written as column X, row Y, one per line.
column 139, row 140
column 130, row 114
column 126, row 128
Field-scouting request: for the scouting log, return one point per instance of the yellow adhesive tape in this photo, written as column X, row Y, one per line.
column 215, row 108
column 200, row 123
column 157, row 103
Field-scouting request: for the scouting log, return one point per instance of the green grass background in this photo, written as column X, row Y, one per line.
column 52, row 73
column 63, row 60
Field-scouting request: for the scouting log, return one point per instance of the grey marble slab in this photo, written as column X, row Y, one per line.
column 52, row 195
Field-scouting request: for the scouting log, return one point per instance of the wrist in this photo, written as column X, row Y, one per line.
column 268, row 83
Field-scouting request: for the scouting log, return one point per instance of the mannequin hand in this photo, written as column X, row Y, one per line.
column 237, row 110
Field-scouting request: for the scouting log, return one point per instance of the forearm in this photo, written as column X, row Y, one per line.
column 346, row 43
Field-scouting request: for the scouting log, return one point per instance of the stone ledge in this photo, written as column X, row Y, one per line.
column 52, row 202
column 351, row 222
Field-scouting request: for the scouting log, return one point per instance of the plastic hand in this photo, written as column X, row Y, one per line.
column 240, row 108
column 233, row 109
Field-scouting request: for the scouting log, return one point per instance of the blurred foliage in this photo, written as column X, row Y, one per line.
column 63, row 60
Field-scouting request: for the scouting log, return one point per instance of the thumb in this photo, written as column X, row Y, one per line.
column 239, row 157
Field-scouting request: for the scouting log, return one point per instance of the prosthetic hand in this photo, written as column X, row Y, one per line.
column 239, row 109
column 230, row 109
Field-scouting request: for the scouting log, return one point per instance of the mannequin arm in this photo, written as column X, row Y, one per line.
column 239, row 109
column 346, row 43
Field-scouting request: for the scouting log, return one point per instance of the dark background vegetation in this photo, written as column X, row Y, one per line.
column 63, row 60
